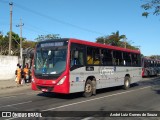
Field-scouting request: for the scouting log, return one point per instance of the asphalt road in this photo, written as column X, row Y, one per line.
column 143, row 96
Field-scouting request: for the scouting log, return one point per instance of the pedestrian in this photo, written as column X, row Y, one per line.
column 26, row 73
column 18, row 74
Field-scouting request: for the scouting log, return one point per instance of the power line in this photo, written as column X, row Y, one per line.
column 33, row 30
column 29, row 27
column 39, row 29
column 56, row 20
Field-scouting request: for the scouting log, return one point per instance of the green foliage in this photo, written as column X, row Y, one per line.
column 4, row 44
column 27, row 44
column 47, row 37
column 151, row 5
column 115, row 40
column 155, row 57
column 145, row 14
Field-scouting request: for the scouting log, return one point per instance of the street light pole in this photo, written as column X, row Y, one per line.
column 10, row 33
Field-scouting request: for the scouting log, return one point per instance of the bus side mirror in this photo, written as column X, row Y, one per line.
column 76, row 54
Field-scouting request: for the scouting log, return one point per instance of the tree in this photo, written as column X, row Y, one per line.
column 28, row 44
column 47, row 37
column 15, row 40
column 151, row 7
column 4, row 42
column 155, row 56
column 115, row 40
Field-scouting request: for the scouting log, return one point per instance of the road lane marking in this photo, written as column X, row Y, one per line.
column 94, row 99
column 87, row 118
column 86, row 101
column 15, row 104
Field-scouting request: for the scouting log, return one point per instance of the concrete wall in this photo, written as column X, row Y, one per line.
column 8, row 65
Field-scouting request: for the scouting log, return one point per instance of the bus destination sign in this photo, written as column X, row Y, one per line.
column 52, row 44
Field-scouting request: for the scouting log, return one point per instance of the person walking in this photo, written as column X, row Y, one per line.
column 18, row 74
column 26, row 73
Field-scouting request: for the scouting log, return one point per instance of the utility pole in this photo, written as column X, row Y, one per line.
column 10, row 33
column 20, row 25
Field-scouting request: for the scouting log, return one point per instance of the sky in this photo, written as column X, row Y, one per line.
column 83, row 19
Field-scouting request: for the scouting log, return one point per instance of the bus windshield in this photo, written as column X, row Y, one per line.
column 50, row 61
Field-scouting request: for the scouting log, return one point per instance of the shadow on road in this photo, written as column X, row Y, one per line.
column 151, row 81
column 61, row 96
column 156, row 88
column 80, row 94
column 158, row 91
column 154, row 83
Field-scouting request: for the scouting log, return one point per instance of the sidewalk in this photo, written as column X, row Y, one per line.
column 11, row 84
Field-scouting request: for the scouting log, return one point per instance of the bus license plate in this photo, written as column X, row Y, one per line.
column 44, row 90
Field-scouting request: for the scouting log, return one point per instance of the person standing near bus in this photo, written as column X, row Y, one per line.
column 26, row 73
column 18, row 74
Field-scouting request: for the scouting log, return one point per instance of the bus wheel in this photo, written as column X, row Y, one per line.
column 126, row 83
column 88, row 90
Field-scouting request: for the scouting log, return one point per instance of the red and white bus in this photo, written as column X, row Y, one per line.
column 71, row 65
column 150, row 67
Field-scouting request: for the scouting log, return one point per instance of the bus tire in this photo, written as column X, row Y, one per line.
column 94, row 86
column 126, row 83
column 88, row 90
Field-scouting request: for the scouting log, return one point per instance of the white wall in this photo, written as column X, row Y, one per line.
column 8, row 65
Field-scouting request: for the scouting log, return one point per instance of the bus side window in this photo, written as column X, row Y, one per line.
column 114, row 61
column 124, row 62
column 117, row 58
column 96, row 54
column 93, row 56
column 113, row 58
column 89, row 59
column 107, row 57
column 89, row 55
column 78, row 60
column 77, row 55
column 81, row 58
column 135, row 60
column 127, row 58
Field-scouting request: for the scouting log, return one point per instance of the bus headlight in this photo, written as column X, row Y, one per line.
column 61, row 81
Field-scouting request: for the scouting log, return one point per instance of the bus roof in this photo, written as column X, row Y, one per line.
column 93, row 44
column 103, row 46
